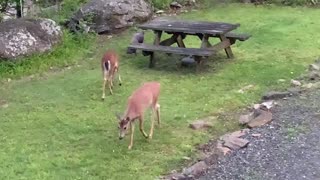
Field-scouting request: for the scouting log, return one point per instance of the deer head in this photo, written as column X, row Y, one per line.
column 123, row 126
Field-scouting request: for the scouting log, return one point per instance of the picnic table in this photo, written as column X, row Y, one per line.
column 180, row 29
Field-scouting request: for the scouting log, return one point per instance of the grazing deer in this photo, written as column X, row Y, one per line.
column 141, row 99
column 109, row 65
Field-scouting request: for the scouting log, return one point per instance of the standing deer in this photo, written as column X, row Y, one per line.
column 109, row 65
column 141, row 99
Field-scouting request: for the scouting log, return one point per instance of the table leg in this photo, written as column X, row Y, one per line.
column 180, row 41
column 227, row 49
column 156, row 41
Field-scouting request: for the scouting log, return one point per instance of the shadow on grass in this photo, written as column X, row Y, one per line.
column 169, row 63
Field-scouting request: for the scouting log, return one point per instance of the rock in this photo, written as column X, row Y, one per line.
column 246, row 88
column 105, row 16
column 23, row 37
column 281, row 80
column 187, row 61
column 200, row 124
column 233, row 140
column 235, row 143
column 295, row 90
column 175, row 176
column 175, row 5
column 222, row 149
column 160, row 12
column 275, row 95
column 186, row 158
column 313, row 75
column 267, row 105
column 295, row 82
column 239, row 133
column 314, row 67
column 263, row 118
column 256, row 135
column 244, row 119
column 307, row 86
column 196, row 169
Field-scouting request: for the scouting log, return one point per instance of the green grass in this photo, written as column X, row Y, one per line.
column 69, row 52
column 56, row 127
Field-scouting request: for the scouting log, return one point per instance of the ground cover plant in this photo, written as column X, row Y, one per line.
column 56, row 126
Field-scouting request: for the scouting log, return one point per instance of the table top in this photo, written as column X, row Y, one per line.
column 189, row 27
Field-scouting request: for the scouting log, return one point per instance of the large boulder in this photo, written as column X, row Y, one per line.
column 104, row 16
column 23, row 37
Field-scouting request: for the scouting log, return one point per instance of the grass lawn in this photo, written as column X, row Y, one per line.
column 56, row 127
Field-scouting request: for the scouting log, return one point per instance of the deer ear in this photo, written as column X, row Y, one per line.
column 127, row 119
column 118, row 116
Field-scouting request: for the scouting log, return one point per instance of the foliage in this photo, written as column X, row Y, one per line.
column 69, row 52
column 56, row 127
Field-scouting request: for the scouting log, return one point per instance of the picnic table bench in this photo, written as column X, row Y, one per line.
column 180, row 29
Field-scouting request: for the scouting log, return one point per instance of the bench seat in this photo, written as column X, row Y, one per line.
column 174, row 50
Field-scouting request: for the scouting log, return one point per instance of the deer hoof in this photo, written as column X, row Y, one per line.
column 129, row 147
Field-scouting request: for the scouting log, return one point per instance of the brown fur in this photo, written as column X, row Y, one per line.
column 141, row 99
column 109, row 66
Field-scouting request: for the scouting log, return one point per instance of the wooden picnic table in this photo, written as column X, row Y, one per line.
column 180, row 29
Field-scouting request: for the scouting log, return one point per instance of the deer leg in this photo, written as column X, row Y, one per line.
column 158, row 114
column 110, row 86
column 104, row 88
column 141, row 128
column 131, row 137
column 120, row 82
column 152, row 124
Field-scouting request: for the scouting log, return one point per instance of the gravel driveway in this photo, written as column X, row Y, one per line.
column 288, row 148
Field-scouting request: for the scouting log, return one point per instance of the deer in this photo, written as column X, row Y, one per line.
column 110, row 66
column 146, row 96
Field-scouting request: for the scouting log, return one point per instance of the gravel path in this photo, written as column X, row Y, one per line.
column 288, row 148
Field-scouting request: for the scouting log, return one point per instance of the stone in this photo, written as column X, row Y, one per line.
column 307, row 86
column 314, row 67
column 175, row 176
column 160, row 12
column 246, row 88
column 295, row 90
column 313, row 75
column 256, row 135
column 196, row 169
column 175, row 5
column 187, row 61
column 295, row 82
column 24, row 37
column 108, row 16
column 235, row 143
column 200, row 124
column 275, row 95
column 222, row 149
column 264, row 118
column 244, row 119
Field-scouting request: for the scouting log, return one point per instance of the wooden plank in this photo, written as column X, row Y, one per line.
column 191, row 27
column 174, row 50
column 180, row 42
column 221, row 45
column 205, row 41
column 227, row 49
column 169, row 41
column 156, row 41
